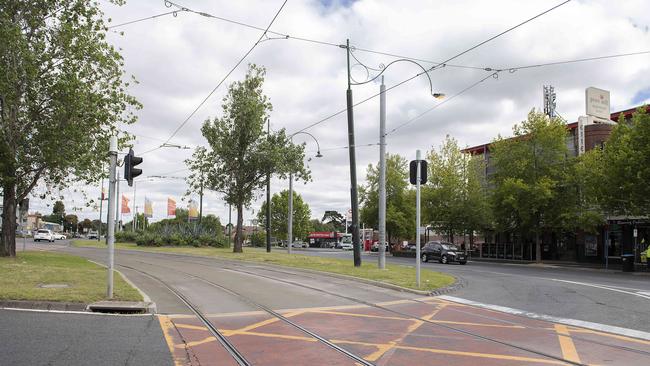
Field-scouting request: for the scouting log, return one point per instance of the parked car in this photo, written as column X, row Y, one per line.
column 299, row 244
column 375, row 247
column 59, row 236
column 92, row 234
column 443, row 252
column 44, row 234
column 346, row 246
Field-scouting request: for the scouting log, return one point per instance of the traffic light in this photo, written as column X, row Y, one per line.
column 130, row 161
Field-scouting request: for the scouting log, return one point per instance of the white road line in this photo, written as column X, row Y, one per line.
column 639, row 294
column 72, row 312
column 574, row 322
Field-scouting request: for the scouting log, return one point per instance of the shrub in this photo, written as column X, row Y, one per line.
column 126, row 236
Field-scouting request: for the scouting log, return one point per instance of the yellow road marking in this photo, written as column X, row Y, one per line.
column 260, row 324
column 569, row 351
column 480, row 324
column 360, row 315
column 616, row 336
column 196, row 343
column 167, row 326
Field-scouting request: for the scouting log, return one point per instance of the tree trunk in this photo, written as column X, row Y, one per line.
column 8, row 245
column 538, row 248
column 239, row 239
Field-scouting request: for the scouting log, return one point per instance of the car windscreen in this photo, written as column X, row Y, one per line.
column 43, row 232
column 449, row 247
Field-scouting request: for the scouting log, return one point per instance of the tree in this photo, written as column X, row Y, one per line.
column 280, row 215
column 241, row 152
column 71, row 222
column 62, row 96
column 400, row 210
column 623, row 187
column 335, row 220
column 58, row 213
column 532, row 190
column 454, row 199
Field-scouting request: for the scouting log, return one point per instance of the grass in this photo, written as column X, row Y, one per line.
column 21, row 277
column 394, row 274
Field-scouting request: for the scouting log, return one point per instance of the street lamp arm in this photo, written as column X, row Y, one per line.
column 383, row 68
column 306, row 133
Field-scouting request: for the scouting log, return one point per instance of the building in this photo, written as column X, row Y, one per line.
column 620, row 235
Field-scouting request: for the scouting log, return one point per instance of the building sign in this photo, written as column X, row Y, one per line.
column 597, row 103
column 322, row 235
column 591, row 246
column 582, row 122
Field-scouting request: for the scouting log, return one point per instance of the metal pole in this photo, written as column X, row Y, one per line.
column 382, row 174
column 353, row 170
column 135, row 208
column 229, row 224
column 417, row 219
column 268, row 198
column 101, row 202
column 111, row 213
column 201, row 202
column 290, row 221
column 118, row 212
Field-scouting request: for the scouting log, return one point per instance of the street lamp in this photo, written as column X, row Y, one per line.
column 290, row 220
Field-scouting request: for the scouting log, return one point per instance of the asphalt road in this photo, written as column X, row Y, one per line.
column 38, row 338
column 607, row 297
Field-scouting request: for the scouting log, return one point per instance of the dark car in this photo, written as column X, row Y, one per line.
column 443, row 252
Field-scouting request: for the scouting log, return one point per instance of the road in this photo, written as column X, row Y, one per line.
column 609, row 297
column 279, row 316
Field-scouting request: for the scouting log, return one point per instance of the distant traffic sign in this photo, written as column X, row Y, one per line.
column 413, row 171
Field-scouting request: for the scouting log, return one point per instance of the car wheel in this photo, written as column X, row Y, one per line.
column 444, row 259
column 465, row 262
column 425, row 258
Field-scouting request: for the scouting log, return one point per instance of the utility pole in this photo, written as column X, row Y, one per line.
column 111, row 214
column 118, row 211
column 135, row 208
column 201, row 201
column 382, row 174
column 417, row 218
column 290, row 223
column 268, row 198
column 353, row 169
column 101, row 202
column 229, row 224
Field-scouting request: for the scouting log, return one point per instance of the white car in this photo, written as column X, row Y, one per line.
column 346, row 246
column 59, row 236
column 44, row 234
column 299, row 244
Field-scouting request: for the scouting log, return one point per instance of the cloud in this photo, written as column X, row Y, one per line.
column 178, row 60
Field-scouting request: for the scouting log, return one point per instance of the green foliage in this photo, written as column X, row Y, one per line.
column 62, row 95
column 280, row 212
column 400, row 203
column 241, row 153
column 258, row 239
column 455, row 199
column 623, row 187
column 334, row 220
column 317, row 225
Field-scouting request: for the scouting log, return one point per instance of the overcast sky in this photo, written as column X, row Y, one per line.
column 179, row 60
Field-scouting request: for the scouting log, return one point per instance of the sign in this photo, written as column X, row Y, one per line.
column 635, row 232
column 591, row 246
column 148, row 208
column 321, row 234
column 582, row 122
column 597, row 103
column 171, row 207
column 413, row 171
column 125, row 205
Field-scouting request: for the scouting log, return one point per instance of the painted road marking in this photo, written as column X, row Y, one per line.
column 166, row 325
column 569, row 351
column 603, row 287
column 633, row 333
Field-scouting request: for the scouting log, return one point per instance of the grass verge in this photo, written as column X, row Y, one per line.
column 21, row 278
column 394, row 274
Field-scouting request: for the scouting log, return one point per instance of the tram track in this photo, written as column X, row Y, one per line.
column 237, row 355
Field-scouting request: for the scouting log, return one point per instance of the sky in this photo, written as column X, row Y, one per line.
column 179, row 59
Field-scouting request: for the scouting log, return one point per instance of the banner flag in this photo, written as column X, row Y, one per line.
column 171, row 207
column 103, row 194
column 193, row 209
column 125, row 205
column 148, row 207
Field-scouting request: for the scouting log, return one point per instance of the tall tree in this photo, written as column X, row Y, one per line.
column 62, row 96
column 400, row 209
column 335, row 219
column 625, row 175
column 280, row 215
column 71, row 222
column 455, row 198
column 532, row 191
column 241, row 152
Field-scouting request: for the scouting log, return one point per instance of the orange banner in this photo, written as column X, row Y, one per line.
column 171, row 207
column 125, row 205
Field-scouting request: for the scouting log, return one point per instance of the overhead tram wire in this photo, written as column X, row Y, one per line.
column 512, row 70
column 174, row 12
column 441, row 64
column 222, row 80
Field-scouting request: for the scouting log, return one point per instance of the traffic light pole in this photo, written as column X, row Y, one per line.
column 111, row 214
column 418, row 177
column 356, row 246
column 382, row 175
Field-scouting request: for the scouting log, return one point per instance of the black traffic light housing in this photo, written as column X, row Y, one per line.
column 130, row 160
column 413, row 170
